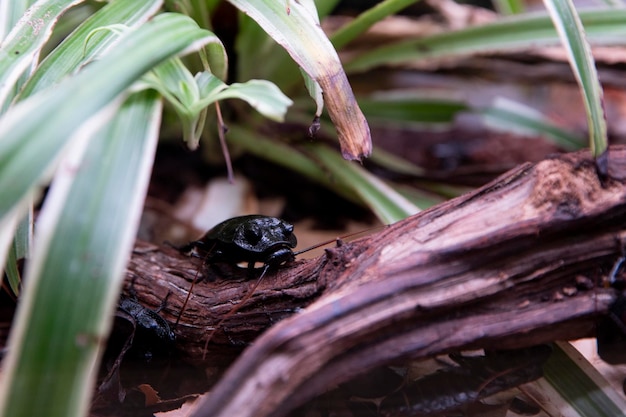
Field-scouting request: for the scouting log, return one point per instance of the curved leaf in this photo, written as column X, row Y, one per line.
column 66, row 308
column 292, row 25
column 34, row 132
column 573, row 38
column 82, row 45
column 22, row 45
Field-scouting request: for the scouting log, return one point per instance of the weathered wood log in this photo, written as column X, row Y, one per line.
column 518, row 262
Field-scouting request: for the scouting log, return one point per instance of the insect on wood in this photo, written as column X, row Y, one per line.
column 248, row 239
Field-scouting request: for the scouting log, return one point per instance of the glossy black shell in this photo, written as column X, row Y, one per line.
column 253, row 238
column 152, row 336
column 148, row 320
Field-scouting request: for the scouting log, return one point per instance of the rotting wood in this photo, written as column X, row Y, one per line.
column 502, row 266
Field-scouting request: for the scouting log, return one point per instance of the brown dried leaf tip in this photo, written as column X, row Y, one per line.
column 353, row 131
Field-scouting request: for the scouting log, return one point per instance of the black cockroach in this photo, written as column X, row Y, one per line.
column 475, row 378
column 152, row 334
column 249, row 239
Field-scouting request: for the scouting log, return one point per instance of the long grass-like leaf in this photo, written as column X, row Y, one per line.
column 510, row 116
column 366, row 19
column 34, row 132
column 325, row 7
column 411, row 110
column 10, row 12
column 294, row 26
column 191, row 95
column 509, row 6
column 20, row 249
column 22, row 45
column 513, row 33
column 388, row 205
column 83, row 45
column 287, row 156
column 346, row 179
column 8, row 224
column 572, row 36
column 84, row 237
column 581, row 386
column 262, row 95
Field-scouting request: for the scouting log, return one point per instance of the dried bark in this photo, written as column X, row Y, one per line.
column 515, row 263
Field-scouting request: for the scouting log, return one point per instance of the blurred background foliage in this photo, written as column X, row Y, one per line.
column 107, row 100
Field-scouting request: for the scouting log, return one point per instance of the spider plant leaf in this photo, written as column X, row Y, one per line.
column 514, row 33
column 509, row 116
column 35, row 130
column 288, row 156
column 190, row 96
column 407, row 110
column 71, row 289
column 22, row 45
column 366, row 19
column 20, row 249
column 292, row 25
column 507, row 7
column 84, row 43
column 262, row 95
column 10, row 13
column 580, row 385
column 388, row 205
column 8, row 225
column 573, row 38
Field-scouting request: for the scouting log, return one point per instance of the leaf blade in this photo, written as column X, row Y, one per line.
column 80, row 47
column 67, row 303
column 504, row 35
column 22, row 45
column 572, row 35
column 34, row 131
column 299, row 33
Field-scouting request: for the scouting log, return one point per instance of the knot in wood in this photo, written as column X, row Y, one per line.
column 337, row 255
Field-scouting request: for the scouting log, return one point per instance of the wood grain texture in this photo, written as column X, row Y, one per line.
column 518, row 262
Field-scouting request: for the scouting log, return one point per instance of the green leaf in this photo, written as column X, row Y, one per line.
column 509, row 6
column 190, row 96
column 8, row 225
column 71, row 288
column 388, row 205
column 581, row 385
column 296, row 28
column 366, row 19
column 510, row 116
column 572, row 36
column 262, row 95
column 22, row 45
column 83, row 44
column 526, row 31
column 20, row 249
column 322, row 165
column 174, row 81
column 614, row 3
column 289, row 157
column 259, row 56
column 34, row 131
column 410, row 110
column 325, row 7
column 10, row 13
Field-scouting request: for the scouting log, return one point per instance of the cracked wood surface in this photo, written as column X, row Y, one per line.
column 518, row 262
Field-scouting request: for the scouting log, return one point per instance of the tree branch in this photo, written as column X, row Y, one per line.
column 517, row 262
